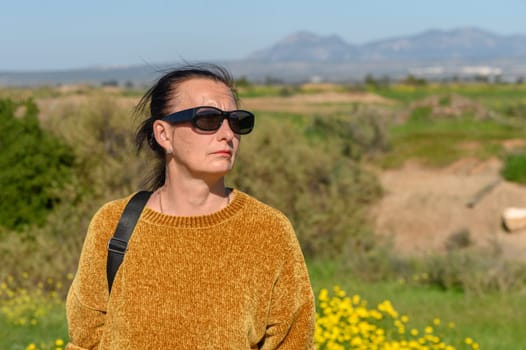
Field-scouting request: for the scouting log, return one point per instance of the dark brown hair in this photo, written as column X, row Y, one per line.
column 155, row 104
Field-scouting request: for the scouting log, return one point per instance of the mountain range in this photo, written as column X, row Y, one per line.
column 465, row 43
column 304, row 56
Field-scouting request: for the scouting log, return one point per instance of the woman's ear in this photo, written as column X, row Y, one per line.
column 163, row 135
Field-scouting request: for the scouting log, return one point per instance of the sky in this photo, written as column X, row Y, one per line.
column 61, row 35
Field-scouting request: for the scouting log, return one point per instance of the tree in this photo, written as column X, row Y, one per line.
column 33, row 166
column 415, row 81
column 243, row 82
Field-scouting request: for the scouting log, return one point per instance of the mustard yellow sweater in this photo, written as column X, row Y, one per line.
column 235, row 279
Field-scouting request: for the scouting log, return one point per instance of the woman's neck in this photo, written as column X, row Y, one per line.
column 190, row 198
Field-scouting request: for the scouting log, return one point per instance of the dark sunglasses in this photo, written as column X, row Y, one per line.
column 210, row 119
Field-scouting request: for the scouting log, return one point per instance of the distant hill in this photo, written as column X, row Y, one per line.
column 307, row 47
column 434, row 54
column 465, row 43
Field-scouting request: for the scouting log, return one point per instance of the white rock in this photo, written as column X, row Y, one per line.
column 514, row 218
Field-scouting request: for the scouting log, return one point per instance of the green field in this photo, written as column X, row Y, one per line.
column 327, row 142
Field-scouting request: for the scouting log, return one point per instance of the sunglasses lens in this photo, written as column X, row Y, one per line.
column 241, row 122
column 208, row 119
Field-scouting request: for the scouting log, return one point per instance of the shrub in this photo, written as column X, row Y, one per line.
column 362, row 133
column 414, row 81
column 516, row 110
column 35, row 166
column 514, row 168
column 476, row 272
column 464, row 267
column 458, row 240
column 444, row 101
column 324, row 193
column 100, row 135
column 421, row 114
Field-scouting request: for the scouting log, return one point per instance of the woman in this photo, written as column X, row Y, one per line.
column 207, row 267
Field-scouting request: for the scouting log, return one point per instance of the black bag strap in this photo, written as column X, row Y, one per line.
column 118, row 244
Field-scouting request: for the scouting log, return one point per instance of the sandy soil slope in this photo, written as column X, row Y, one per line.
column 423, row 207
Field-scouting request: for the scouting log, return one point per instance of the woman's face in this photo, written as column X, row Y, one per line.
column 202, row 154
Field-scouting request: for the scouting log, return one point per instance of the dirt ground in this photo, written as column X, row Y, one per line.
column 423, row 207
column 311, row 103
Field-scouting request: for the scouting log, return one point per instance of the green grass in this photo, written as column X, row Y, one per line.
column 44, row 334
column 406, row 93
column 489, row 94
column 266, row 91
column 439, row 142
column 495, row 321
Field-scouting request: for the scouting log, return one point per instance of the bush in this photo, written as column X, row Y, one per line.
column 514, row 168
column 474, row 272
column 517, row 110
column 324, row 193
column 362, row 133
column 458, row 240
column 100, row 134
column 35, row 166
column 464, row 267
column 421, row 114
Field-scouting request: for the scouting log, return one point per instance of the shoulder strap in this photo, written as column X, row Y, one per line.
column 118, row 244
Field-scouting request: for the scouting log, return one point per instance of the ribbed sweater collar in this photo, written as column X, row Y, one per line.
column 238, row 201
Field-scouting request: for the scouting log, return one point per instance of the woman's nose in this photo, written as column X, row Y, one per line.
column 225, row 131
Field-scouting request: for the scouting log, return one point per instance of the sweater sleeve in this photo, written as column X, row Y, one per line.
column 88, row 295
column 291, row 317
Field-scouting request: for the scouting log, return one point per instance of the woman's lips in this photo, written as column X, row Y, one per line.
column 223, row 153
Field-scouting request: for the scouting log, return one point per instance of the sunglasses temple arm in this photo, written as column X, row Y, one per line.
column 182, row 116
